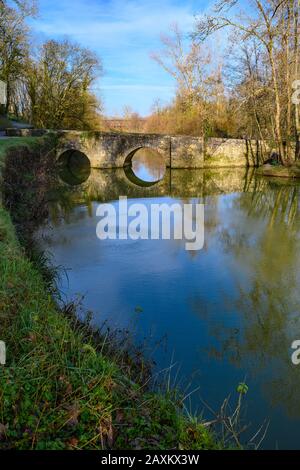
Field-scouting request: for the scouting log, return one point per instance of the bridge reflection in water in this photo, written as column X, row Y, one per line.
column 147, row 167
column 107, row 185
column 230, row 311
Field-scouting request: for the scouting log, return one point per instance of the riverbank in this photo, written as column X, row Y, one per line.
column 279, row 171
column 10, row 142
column 64, row 386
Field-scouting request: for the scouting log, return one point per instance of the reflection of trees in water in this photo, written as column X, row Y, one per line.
column 62, row 202
column 108, row 185
column 280, row 200
column 260, row 236
column 262, row 239
column 150, row 161
column 102, row 186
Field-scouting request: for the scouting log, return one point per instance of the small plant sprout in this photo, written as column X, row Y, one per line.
column 242, row 388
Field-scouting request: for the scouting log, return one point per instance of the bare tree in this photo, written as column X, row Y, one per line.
column 198, row 82
column 186, row 64
column 271, row 26
column 27, row 7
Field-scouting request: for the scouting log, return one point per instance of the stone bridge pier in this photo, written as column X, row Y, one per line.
column 109, row 150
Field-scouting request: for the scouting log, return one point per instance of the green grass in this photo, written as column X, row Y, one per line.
column 10, row 142
column 62, row 389
column 58, row 391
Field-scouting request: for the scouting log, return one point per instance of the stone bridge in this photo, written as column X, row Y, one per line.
column 112, row 150
column 115, row 150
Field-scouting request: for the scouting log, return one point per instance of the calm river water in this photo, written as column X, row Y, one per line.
column 226, row 314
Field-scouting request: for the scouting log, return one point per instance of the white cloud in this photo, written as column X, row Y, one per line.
column 123, row 33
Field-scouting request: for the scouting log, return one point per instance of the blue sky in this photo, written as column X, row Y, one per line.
column 123, row 33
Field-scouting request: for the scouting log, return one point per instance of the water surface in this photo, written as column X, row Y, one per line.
column 228, row 313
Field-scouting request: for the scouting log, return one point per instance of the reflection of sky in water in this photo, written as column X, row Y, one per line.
column 230, row 311
column 148, row 165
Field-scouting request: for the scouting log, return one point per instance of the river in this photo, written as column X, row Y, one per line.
column 222, row 315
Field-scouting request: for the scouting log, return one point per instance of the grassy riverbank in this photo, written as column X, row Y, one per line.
column 10, row 142
column 279, row 171
column 65, row 387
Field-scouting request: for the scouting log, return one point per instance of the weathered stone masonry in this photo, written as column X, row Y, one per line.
column 113, row 150
column 106, row 150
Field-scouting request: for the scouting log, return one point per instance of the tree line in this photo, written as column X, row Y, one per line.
column 251, row 92
column 50, row 85
column 247, row 91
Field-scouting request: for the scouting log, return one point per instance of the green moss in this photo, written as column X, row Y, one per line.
column 217, row 160
column 280, row 171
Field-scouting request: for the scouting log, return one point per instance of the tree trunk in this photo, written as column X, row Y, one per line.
column 278, row 133
column 296, row 54
column 287, row 38
column 7, row 106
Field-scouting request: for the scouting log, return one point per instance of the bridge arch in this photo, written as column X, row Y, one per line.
column 145, row 166
column 70, row 157
column 74, row 166
column 129, row 154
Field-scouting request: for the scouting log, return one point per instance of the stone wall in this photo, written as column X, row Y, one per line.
column 234, row 153
column 187, row 152
column 114, row 150
column 28, row 132
column 110, row 150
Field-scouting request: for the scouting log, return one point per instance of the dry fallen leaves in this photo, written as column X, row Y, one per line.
column 106, row 432
column 73, row 414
